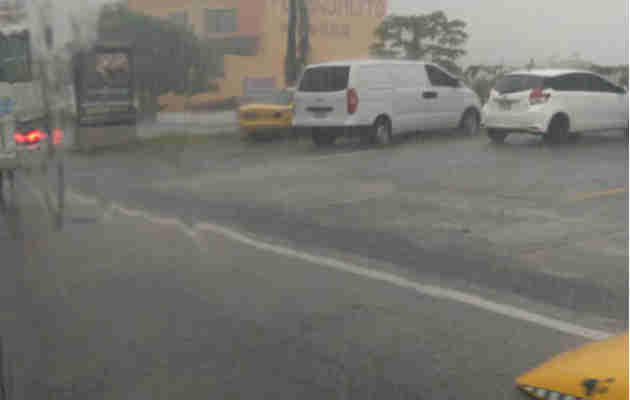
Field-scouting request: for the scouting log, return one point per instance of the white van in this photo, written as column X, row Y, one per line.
column 376, row 99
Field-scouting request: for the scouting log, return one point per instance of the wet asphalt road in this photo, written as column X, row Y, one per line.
column 129, row 307
column 546, row 223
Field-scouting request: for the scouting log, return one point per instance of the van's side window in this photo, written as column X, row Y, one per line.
column 439, row 77
column 407, row 75
column 375, row 76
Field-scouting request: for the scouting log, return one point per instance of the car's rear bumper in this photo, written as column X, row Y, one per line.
column 251, row 128
column 8, row 160
column 534, row 122
column 23, row 158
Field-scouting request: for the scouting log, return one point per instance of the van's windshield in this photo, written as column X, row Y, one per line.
column 519, row 83
column 325, row 79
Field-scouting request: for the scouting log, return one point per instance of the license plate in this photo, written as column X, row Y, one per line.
column 320, row 114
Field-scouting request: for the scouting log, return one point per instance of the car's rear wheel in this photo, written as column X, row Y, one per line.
column 323, row 138
column 470, row 123
column 382, row 132
column 497, row 137
column 558, row 131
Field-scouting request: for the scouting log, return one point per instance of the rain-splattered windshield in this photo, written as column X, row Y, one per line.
column 313, row 199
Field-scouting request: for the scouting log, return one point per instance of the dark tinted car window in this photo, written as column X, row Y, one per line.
column 570, row 83
column 519, row 83
column 325, row 79
column 598, row 84
column 439, row 77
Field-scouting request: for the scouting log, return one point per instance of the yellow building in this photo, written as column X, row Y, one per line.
column 257, row 29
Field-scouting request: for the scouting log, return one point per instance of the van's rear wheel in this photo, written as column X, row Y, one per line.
column 323, row 138
column 470, row 123
column 382, row 132
column 497, row 137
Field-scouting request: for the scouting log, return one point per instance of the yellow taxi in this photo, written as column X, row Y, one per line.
column 268, row 115
column 597, row 370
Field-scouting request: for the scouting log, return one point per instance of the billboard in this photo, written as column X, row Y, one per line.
column 104, row 85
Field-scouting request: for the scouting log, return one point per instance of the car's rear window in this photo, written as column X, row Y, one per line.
column 325, row 79
column 519, row 83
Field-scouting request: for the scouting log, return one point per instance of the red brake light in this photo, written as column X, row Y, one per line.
column 353, row 101
column 537, row 96
column 57, row 136
column 33, row 137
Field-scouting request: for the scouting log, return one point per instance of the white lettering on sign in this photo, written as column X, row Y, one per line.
column 324, row 29
column 338, row 8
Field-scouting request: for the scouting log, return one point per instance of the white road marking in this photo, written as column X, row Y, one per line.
column 331, row 263
column 82, row 199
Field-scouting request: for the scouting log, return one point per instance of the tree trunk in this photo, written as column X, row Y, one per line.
column 304, row 44
column 290, row 70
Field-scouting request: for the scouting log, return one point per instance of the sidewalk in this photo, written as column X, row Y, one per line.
column 189, row 123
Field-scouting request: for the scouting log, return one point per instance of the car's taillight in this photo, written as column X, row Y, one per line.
column 33, row 137
column 353, row 101
column 19, row 138
column 538, row 96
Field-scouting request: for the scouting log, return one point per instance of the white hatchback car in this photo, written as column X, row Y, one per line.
column 376, row 99
column 554, row 104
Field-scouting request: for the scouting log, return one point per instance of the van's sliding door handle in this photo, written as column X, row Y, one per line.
column 429, row 95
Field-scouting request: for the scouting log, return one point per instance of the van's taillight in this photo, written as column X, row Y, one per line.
column 353, row 101
column 537, row 96
column 33, row 137
column 57, row 136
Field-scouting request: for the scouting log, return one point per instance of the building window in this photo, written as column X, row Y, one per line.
column 220, row 21
column 179, row 18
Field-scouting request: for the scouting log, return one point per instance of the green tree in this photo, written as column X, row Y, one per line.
column 482, row 78
column 167, row 56
column 432, row 37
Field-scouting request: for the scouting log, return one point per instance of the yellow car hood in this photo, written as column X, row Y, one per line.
column 595, row 371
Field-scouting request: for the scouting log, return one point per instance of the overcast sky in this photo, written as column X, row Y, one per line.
column 514, row 31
